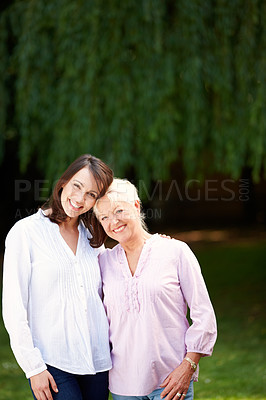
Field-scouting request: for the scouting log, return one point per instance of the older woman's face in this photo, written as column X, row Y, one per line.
column 119, row 219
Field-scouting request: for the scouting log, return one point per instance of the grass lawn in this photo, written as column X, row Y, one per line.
column 235, row 276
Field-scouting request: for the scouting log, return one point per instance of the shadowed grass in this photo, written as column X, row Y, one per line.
column 235, row 276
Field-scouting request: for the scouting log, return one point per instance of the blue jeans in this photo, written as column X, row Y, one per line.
column 79, row 387
column 155, row 395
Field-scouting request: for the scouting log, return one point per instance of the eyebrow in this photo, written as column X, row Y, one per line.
column 94, row 191
column 105, row 213
column 102, row 215
column 117, row 206
column 79, row 182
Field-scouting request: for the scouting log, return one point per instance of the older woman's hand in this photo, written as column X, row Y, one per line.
column 177, row 383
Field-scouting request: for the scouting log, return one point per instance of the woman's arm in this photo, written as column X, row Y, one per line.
column 16, row 288
column 177, row 383
column 201, row 335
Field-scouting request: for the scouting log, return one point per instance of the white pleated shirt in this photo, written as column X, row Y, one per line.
column 52, row 300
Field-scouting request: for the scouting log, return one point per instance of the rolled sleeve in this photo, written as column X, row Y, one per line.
column 201, row 335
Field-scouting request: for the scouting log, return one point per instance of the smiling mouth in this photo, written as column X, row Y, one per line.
column 74, row 206
column 119, row 229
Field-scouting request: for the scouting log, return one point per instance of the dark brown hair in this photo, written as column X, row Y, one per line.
column 103, row 176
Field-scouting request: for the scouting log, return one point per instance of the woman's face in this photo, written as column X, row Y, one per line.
column 119, row 219
column 79, row 193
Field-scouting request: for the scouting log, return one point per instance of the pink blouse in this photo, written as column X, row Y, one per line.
column 149, row 331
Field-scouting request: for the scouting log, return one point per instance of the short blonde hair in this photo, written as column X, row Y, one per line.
column 122, row 190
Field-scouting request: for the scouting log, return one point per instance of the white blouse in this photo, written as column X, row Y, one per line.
column 52, row 300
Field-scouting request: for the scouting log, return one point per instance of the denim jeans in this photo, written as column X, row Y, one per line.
column 79, row 387
column 155, row 395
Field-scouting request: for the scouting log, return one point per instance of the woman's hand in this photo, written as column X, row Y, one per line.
column 41, row 384
column 163, row 235
column 177, row 383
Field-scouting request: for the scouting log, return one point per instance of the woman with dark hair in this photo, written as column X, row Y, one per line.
column 52, row 292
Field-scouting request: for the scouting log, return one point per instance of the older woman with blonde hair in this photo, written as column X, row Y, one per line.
column 148, row 281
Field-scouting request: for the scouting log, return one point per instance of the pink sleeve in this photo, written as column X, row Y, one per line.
column 201, row 335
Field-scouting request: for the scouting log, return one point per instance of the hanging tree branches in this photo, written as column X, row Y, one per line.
column 139, row 83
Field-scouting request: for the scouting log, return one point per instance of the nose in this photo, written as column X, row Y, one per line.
column 80, row 197
column 114, row 218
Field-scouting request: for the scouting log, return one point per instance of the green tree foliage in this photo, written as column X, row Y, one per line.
column 140, row 84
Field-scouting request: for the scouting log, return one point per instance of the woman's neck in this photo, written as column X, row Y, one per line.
column 70, row 224
column 136, row 242
column 133, row 249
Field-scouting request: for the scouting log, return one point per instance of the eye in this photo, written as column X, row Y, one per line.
column 119, row 211
column 76, row 186
column 103, row 218
column 92, row 195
